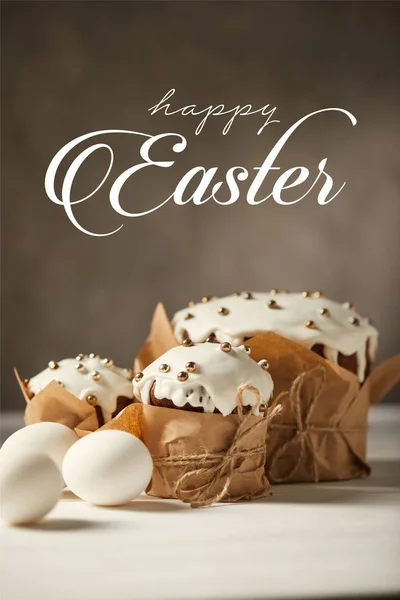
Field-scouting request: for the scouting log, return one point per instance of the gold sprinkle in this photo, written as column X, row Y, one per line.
column 190, row 366
column 182, row 376
column 138, row 376
column 91, row 399
column 264, row 364
column 310, row 324
column 107, row 362
column 247, row 349
column 211, row 339
column 206, row 299
column 318, row 294
column 53, row 365
column 188, row 316
column 325, row 312
column 60, row 383
column 273, row 304
column 226, row 347
column 79, row 367
column 305, row 294
column 26, row 381
column 164, row 368
column 247, row 295
column 223, row 311
column 94, row 355
column 273, row 292
column 186, row 343
column 191, row 304
column 79, row 357
column 355, row 321
column 349, row 305
column 95, row 375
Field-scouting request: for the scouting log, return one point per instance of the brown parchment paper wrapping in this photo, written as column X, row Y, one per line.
column 55, row 403
column 321, row 431
column 201, row 458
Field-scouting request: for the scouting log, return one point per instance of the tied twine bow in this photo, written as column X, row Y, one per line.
column 302, row 428
column 218, row 468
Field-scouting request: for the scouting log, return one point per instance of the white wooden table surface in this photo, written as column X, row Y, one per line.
column 326, row 540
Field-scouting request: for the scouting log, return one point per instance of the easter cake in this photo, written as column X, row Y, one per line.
column 333, row 330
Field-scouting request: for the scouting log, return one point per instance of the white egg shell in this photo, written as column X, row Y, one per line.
column 48, row 438
column 30, row 486
column 108, row 467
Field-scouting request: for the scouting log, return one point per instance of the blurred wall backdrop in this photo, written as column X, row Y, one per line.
column 74, row 67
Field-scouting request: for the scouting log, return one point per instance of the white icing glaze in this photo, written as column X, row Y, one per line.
column 246, row 318
column 113, row 382
column 213, row 384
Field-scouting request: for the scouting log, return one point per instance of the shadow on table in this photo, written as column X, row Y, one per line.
column 384, row 481
column 64, row 525
column 150, row 505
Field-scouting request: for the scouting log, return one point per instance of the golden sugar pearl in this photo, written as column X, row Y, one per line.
column 273, row 292
column 187, row 343
column 247, row 295
column 305, row 294
column 349, row 305
column 264, row 364
column 95, row 375
column 325, row 312
column 182, row 376
column 191, row 366
column 206, row 299
column 273, row 304
column 247, row 349
column 79, row 357
column 94, row 355
column 91, row 399
column 226, row 347
column 108, row 362
column 138, row 376
column 211, row 339
column 188, row 316
column 318, row 294
column 164, row 368
column 60, row 383
column 355, row 321
column 223, row 311
column 310, row 324
column 262, row 408
column 79, row 367
column 191, row 304
column 25, row 381
column 53, row 365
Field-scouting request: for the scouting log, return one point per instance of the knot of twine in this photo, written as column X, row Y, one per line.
column 302, row 426
column 219, row 467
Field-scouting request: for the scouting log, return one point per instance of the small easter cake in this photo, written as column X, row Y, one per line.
column 335, row 331
column 89, row 378
column 206, row 377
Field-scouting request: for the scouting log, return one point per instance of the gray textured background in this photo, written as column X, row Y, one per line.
column 71, row 68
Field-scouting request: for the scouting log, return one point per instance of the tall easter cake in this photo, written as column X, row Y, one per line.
column 334, row 331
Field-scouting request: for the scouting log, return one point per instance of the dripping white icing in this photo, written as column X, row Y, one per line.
column 213, row 384
column 245, row 318
column 113, row 382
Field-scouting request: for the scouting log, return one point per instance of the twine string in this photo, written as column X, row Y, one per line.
column 217, row 468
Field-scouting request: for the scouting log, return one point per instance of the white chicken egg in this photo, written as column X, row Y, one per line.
column 108, row 467
column 48, row 438
column 30, row 486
